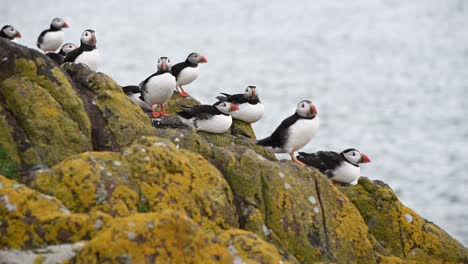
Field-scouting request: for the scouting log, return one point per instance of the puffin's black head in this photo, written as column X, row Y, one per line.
column 67, row 47
column 306, row 109
column 226, row 107
column 9, row 32
column 164, row 64
column 251, row 92
column 355, row 157
column 89, row 37
column 58, row 23
column 195, row 58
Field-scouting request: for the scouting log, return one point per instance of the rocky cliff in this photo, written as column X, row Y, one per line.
column 87, row 177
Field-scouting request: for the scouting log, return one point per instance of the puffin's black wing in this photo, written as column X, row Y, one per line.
column 72, row 55
column 324, row 161
column 177, row 68
column 235, row 98
column 40, row 39
column 55, row 57
column 200, row 112
column 131, row 89
column 279, row 136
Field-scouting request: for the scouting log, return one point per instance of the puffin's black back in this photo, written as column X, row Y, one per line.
column 279, row 136
column 55, row 57
column 200, row 112
column 131, row 89
column 321, row 160
column 236, row 98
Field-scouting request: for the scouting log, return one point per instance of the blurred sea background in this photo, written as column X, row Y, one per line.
column 389, row 77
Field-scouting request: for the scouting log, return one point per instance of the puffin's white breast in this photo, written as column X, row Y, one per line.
column 52, row 40
column 249, row 113
column 187, row 75
column 300, row 133
column 346, row 173
column 90, row 58
column 218, row 124
column 160, row 88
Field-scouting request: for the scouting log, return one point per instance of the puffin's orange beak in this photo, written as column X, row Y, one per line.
column 93, row 39
column 202, row 60
column 18, row 34
column 234, row 107
column 364, row 158
column 65, row 25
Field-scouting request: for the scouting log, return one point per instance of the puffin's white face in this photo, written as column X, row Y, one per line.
column 196, row 58
column 305, row 108
column 59, row 23
column 89, row 37
column 355, row 157
column 164, row 64
column 227, row 107
column 251, row 92
column 68, row 47
column 11, row 32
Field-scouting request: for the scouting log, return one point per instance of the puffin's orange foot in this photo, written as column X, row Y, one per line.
column 156, row 114
column 183, row 93
column 293, row 158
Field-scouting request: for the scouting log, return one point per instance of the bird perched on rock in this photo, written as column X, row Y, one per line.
column 87, row 53
column 58, row 57
column 158, row 88
column 209, row 118
column 51, row 39
column 187, row 71
column 294, row 132
column 9, row 32
column 339, row 167
column 250, row 107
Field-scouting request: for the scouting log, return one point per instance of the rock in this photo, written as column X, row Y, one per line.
column 42, row 119
column 398, row 229
column 169, row 237
column 29, row 219
column 152, row 175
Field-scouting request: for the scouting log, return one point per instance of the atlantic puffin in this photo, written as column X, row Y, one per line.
column 158, row 88
column 9, row 32
column 51, row 39
column 250, row 107
column 64, row 50
column 133, row 92
column 294, row 132
column 209, row 118
column 339, row 167
column 87, row 53
column 187, row 71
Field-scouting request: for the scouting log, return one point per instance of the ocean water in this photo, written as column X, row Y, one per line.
column 389, row 77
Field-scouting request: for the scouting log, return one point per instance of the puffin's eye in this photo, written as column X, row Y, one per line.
column 303, row 105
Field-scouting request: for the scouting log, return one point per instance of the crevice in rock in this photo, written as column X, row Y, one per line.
column 322, row 210
column 401, row 239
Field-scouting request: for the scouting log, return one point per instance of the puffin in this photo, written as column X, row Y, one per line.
column 158, row 88
column 339, row 167
column 51, row 39
column 87, row 53
column 9, row 32
column 58, row 57
column 133, row 92
column 250, row 107
column 187, row 71
column 214, row 118
column 294, row 132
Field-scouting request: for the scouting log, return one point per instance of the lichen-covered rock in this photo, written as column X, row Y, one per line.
column 29, row 219
column 401, row 231
column 169, row 237
column 152, row 175
column 42, row 119
column 115, row 120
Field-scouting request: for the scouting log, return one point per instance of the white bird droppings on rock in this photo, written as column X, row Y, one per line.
column 238, row 260
column 98, row 224
column 160, row 144
column 127, row 152
column 287, row 186
column 1, row 185
column 147, row 158
column 131, row 224
column 260, row 157
column 64, row 210
column 176, row 139
column 409, row 218
column 11, row 207
column 266, row 230
column 281, row 175
column 312, row 200
column 143, row 150
column 131, row 235
column 150, row 225
column 316, row 210
column 16, row 185
column 117, row 163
